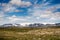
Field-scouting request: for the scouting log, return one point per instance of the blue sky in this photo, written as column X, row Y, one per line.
column 29, row 11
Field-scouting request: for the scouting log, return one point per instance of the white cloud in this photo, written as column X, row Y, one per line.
column 1, row 14
column 9, row 7
column 20, row 3
column 2, row 19
column 53, row 8
column 55, row 16
column 18, row 10
column 40, row 13
column 15, row 18
column 47, row 14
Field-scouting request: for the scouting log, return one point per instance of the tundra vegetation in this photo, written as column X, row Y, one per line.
column 27, row 33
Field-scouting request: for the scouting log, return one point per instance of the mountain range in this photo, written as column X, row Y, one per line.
column 31, row 25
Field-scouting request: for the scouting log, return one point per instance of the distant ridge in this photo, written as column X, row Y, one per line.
column 30, row 25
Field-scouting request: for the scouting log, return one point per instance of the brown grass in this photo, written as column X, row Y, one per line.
column 31, row 34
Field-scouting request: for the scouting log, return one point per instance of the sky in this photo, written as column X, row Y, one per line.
column 29, row 11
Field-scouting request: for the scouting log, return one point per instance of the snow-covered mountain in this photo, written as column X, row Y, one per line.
column 30, row 25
